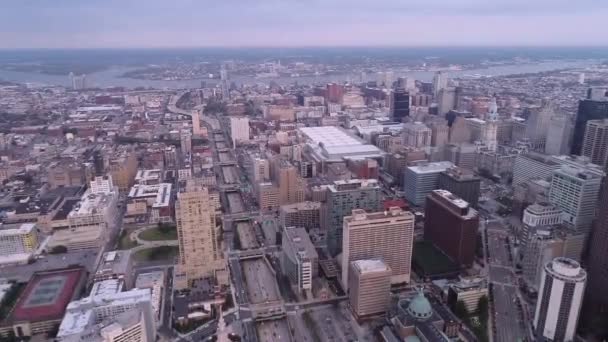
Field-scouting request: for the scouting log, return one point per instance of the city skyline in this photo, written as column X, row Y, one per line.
column 187, row 23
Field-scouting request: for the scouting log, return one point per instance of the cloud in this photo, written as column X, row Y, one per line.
column 143, row 23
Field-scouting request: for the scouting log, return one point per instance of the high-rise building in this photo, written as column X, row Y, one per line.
column 386, row 235
column 463, row 155
column 446, row 100
column 416, row 134
column 595, row 143
column 462, row 183
column 224, row 82
column 575, row 191
column 451, row 225
column 369, row 287
column 483, row 131
column 239, row 129
column 559, row 300
column 290, row 184
column 542, row 245
column 533, row 165
column 342, row 198
column 185, row 142
column 18, row 242
column 559, row 135
column 597, row 296
column 334, row 93
column 594, row 107
column 460, row 131
column 440, row 133
column 537, row 125
column 200, row 250
column 299, row 260
column 400, row 104
column 440, row 82
column 419, row 180
column 302, row 214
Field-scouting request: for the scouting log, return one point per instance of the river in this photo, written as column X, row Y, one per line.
column 111, row 77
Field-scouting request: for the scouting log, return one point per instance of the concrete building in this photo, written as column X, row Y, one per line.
column 468, row 291
column 290, row 184
column 185, row 142
column 268, row 196
column 593, row 107
column 460, row 131
column 115, row 265
column 421, row 179
column 386, row 235
column 559, row 135
column 302, row 214
column 369, row 287
column 153, row 202
column 155, row 281
column 122, row 167
column 18, row 243
column 398, row 161
column 575, row 191
column 83, row 315
column 597, row 296
column 440, row 134
column 260, row 169
column 595, row 142
column 101, row 185
column 543, row 245
column 560, row 298
column 463, row 155
column 416, row 134
column 328, row 144
column 200, row 250
column 239, row 130
column 399, row 104
column 483, row 131
column 342, row 198
column 299, row 259
column 533, row 165
column 451, row 225
column 537, row 125
column 462, row 183
column 541, row 214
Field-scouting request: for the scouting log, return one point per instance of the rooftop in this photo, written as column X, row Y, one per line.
column 16, row 229
column 433, row 167
column 370, row 266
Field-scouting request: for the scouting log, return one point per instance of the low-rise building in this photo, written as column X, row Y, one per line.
column 18, row 243
column 468, row 291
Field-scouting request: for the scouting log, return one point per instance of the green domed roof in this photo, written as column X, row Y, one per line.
column 412, row 338
column 419, row 307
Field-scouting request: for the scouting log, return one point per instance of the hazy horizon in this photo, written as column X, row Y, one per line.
column 73, row 24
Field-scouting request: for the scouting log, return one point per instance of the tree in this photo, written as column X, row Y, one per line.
column 460, row 310
column 482, row 307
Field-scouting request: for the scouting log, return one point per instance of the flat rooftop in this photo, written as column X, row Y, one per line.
column 433, row 167
column 91, row 204
column 16, row 229
column 333, row 143
column 370, row 266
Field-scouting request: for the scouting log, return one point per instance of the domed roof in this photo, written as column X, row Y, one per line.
column 419, row 307
column 412, row 338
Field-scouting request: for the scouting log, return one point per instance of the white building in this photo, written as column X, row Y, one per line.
column 416, row 134
column 484, row 132
column 421, row 179
column 541, row 214
column 560, row 298
column 239, row 129
column 575, row 191
column 102, row 185
column 155, row 281
column 84, row 317
column 299, row 260
column 18, row 242
column 333, row 144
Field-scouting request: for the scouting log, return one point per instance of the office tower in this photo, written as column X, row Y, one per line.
column 299, row 259
column 421, row 179
column 440, row 82
column 110, row 315
column 200, row 250
column 559, row 135
column 342, row 198
column 483, row 131
column 18, row 242
column 462, row 183
column 386, row 235
column 239, row 129
column 302, row 214
column 594, row 107
column 440, row 133
column 397, row 162
column 451, row 225
column 542, row 245
column 224, row 82
column 595, row 142
column 384, row 79
column 185, row 142
column 575, row 190
column 78, row 82
column 260, row 169
column 460, row 131
column 290, row 184
column 446, row 100
column 597, row 259
column 369, row 285
column 559, row 300
column 334, row 93
column 400, row 104
column 463, row 155
column 533, row 165
column 537, row 125
column 416, row 134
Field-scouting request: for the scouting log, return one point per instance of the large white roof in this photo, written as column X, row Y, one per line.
column 335, row 143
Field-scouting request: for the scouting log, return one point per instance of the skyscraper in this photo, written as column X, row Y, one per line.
column 597, row 296
column 370, row 287
column 290, row 184
column 342, row 198
column 595, row 143
column 185, row 142
column 451, row 225
column 594, row 107
column 462, row 183
column 224, row 82
column 559, row 135
column 419, row 180
column 334, row 93
column 416, row 134
column 440, row 82
column 537, row 125
column 400, row 104
column 239, row 129
column 200, row 251
column 386, row 235
column 559, row 300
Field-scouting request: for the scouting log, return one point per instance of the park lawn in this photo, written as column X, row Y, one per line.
column 125, row 242
column 162, row 253
column 157, row 234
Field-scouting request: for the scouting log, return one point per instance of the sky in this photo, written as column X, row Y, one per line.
column 284, row 23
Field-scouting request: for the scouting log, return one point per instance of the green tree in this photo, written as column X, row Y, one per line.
column 460, row 310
